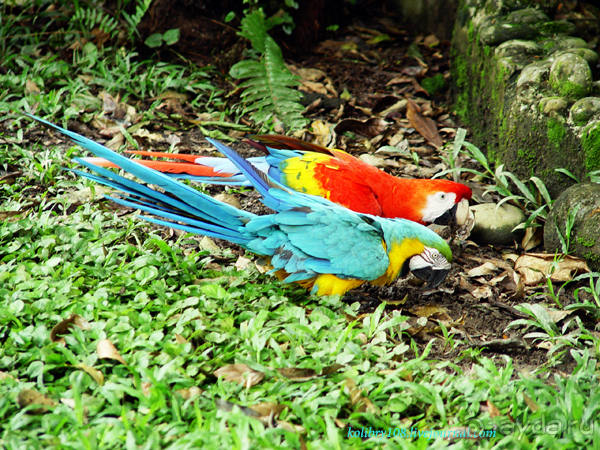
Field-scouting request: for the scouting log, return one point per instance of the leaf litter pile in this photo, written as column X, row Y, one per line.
column 364, row 93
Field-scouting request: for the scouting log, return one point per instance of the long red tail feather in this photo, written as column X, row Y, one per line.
column 167, row 166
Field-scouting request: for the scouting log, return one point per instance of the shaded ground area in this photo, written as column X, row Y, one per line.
column 368, row 70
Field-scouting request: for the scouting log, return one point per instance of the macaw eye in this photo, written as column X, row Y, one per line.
column 442, row 196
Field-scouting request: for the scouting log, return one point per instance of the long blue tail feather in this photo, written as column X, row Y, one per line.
column 114, row 180
column 193, row 226
column 200, row 213
column 222, row 213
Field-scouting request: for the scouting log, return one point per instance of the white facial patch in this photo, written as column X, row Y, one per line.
column 429, row 257
column 437, row 204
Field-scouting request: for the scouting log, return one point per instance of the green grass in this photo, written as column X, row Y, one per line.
column 141, row 292
column 175, row 317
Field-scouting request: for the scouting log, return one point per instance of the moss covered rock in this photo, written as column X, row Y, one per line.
column 590, row 143
column 518, row 99
column 584, row 110
column 589, row 55
column 553, row 106
column 496, row 32
column 534, row 73
column 571, row 76
column 558, row 43
column 526, row 15
column 580, row 206
column 518, row 48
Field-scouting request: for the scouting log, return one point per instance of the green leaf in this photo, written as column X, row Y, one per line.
column 542, row 188
column 154, row 40
column 567, row 173
column 171, row 36
column 268, row 93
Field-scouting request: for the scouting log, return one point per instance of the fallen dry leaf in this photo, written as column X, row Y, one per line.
column 107, row 350
column 331, row 369
column 533, row 237
column 297, row 374
column 85, row 195
column 268, row 409
column 207, row 243
column 230, row 199
column 242, row 263
column 482, row 292
column 261, row 268
column 357, row 399
column 485, row 269
column 339, row 423
column 189, row 393
column 468, row 222
column 240, row 373
column 429, row 311
column 397, row 139
column 510, row 281
column 180, row 339
column 65, row 325
column 31, row 88
column 529, row 402
column 307, row 74
column 431, row 40
column 424, row 125
column 534, row 267
column 96, row 375
column 555, row 315
column 546, row 345
column 298, row 429
column 312, row 86
column 32, row 397
column 4, row 376
column 490, row 408
column 399, row 80
column 116, row 142
column 377, row 161
column 146, row 385
column 145, row 134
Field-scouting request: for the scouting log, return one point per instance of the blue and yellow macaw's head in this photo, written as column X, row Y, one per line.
column 415, row 248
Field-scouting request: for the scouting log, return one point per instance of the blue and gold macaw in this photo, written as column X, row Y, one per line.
column 309, row 240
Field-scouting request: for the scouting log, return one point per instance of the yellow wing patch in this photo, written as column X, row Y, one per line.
column 398, row 255
column 328, row 284
column 299, row 173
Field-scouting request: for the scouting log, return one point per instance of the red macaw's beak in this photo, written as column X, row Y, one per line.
column 456, row 215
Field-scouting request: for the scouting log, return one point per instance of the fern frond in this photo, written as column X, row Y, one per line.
column 88, row 19
column 268, row 92
column 134, row 20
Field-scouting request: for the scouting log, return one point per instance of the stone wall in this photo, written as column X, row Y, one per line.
column 526, row 88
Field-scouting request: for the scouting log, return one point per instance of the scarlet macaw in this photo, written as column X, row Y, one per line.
column 309, row 240
column 329, row 173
